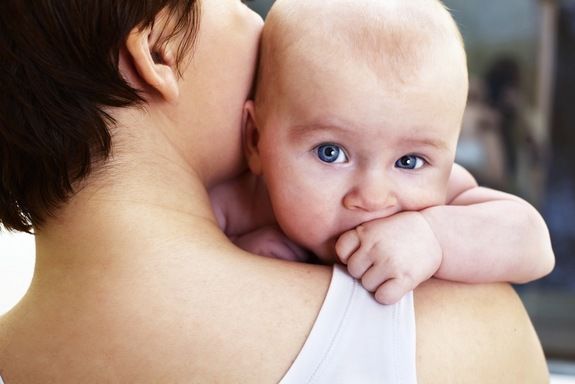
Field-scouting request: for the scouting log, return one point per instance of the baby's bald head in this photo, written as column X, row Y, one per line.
column 397, row 39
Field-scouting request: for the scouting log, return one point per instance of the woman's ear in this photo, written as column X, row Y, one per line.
column 250, row 138
column 156, row 68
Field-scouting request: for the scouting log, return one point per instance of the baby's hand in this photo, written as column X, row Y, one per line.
column 270, row 241
column 392, row 255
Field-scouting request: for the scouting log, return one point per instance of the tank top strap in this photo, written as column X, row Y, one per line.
column 357, row 340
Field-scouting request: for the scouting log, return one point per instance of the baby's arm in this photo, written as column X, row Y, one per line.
column 243, row 213
column 489, row 236
column 270, row 241
column 481, row 236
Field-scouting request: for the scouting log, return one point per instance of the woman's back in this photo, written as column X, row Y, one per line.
column 134, row 314
column 242, row 320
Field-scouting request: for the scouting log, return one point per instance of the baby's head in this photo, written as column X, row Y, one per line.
column 395, row 39
column 357, row 112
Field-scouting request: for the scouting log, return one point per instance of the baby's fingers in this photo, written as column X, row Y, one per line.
column 392, row 291
column 375, row 277
column 346, row 245
column 358, row 264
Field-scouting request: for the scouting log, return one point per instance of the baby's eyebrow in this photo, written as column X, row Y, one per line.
column 425, row 141
column 303, row 129
column 340, row 128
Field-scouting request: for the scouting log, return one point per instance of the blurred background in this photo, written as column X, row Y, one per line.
column 518, row 135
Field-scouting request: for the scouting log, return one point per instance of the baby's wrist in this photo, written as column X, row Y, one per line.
column 438, row 248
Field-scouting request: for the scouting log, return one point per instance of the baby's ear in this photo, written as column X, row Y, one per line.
column 156, row 67
column 250, row 138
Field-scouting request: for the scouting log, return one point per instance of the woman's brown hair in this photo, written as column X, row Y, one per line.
column 59, row 74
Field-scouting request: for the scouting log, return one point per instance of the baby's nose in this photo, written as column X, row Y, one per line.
column 371, row 194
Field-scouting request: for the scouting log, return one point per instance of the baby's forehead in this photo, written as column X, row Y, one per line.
column 393, row 37
column 359, row 23
column 392, row 44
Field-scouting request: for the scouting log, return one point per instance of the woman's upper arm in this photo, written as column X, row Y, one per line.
column 475, row 334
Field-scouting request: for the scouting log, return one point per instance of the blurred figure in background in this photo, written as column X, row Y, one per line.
column 502, row 80
column 502, row 142
column 480, row 148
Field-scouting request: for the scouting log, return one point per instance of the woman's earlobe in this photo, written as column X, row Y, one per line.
column 250, row 138
column 155, row 68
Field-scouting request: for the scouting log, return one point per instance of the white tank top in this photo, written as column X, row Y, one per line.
column 357, row 340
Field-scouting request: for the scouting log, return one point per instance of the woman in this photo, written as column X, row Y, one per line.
column 134, row 281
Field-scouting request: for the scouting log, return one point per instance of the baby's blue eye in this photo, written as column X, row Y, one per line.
column 331, row 153
column 410, row 162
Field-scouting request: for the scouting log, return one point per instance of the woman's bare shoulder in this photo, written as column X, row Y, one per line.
column 268, row 310
column 475, row 334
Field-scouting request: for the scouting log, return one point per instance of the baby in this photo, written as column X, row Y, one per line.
column 350, row 140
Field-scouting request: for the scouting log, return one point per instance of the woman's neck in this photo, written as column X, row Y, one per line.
column 131, row 257
column 140, row 194
column 145, row 197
